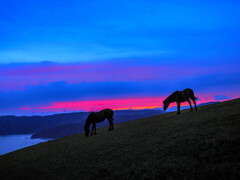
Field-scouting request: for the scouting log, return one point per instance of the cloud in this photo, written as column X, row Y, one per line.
column 19, row 76
column 221, row 97
column 62, row 91
column 33, row 84
column 34, row 95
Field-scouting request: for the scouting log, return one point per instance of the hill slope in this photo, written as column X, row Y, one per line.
column 202, row 144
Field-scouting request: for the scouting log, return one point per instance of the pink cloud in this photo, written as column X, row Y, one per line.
column 135, row 103
column 115, row 104
column 24, row 108
column 124, row 103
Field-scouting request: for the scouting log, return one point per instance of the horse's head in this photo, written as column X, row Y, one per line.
column 165, row 104
column 87, row 124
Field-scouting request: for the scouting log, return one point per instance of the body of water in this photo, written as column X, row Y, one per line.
column 14, row 142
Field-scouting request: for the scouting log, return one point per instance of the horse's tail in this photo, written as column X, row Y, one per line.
column 111, row 114
column 196, row 98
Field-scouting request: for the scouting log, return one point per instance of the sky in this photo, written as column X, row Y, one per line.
column 67, row 56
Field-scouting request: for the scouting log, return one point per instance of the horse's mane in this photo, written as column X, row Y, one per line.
column 170, row 96
column 91, row 113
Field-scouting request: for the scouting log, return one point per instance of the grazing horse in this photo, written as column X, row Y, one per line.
column 180, row 96
column 96, row 117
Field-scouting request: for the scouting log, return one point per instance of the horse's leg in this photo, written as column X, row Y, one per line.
column 190, row 105
column 193, row 99
column 92, row 129
column 178, row 106
column 110, row 120
column 95, row 129
column 112, row 123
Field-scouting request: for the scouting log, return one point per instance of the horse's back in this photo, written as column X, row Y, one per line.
column 188, row 90
column 184, row 94
column 108, row 112
column 103, row 114
column 99, row 116
column 188, row 93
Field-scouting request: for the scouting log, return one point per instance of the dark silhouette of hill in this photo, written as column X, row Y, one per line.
column 208, row 103
column 75, row 128
column 203, row 144
column 33, row 124
column 174, row 108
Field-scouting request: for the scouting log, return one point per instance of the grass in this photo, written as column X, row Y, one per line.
column 204, row 144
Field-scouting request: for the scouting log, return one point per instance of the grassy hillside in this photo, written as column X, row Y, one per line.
column 200, row 145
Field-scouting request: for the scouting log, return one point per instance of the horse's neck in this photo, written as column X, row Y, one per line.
column 169, row 100
column 172, row 97
column 87, row 124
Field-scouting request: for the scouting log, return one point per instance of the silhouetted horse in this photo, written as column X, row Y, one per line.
column 180, row 96
column 96, row 117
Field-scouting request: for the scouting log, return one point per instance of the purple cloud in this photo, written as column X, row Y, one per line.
column 18, row 76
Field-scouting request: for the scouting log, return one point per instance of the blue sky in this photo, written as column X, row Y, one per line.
column 73, row 31
column 74, row 51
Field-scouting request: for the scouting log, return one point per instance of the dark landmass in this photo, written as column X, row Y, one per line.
column 203, row 144
column 174, row 108
column 33, row 124
column 208, row 103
